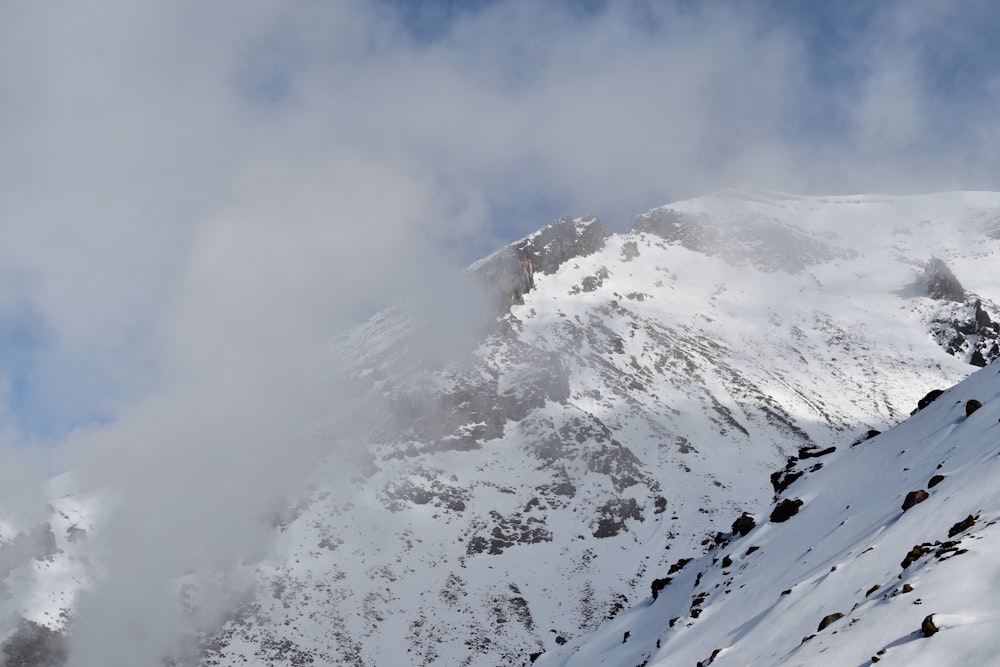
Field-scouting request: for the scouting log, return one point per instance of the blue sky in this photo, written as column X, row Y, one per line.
column 194, row 188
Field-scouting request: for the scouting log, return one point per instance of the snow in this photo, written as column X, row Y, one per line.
column 849, row 537
column 689, row 379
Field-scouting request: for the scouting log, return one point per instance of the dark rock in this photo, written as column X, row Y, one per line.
column 535, row 656
column 928, row 398
column 971, row 406
column 744, row 524
column 964, row 524
column 752, row 549
column 809, row 453
column 915, row 498
column 627, row 635
column 942, row 284
column 907, row 588
column 613, row 515
column 678, row 566
column 934, row 481
column 727, row 561
column 828, row 619
column 660, row 505
column 507, row 532
column 867, row 436
column 659, row 584
column 510, row 273
column 914, row 554
column 785, row 510
column 782, row 479
column 967, row 333
column 872, row 589
column 561, row 640
column 927, row 626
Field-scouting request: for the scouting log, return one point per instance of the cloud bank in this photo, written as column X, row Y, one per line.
column 199, row 196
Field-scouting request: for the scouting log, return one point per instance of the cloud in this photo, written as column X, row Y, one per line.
column 199, row 196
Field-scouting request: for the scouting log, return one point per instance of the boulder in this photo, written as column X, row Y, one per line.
column 915, row 498
column 785, row 510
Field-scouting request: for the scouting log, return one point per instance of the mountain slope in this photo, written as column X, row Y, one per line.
column 852, row 577
column 521, row 482
column 631, row 407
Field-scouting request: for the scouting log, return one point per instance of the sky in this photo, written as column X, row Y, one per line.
column 198, row 196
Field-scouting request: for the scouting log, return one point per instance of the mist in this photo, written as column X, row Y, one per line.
column 201, row 197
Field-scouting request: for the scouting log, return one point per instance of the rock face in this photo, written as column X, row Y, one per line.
column 511, row 272
column 967, row 331
column 942, row 284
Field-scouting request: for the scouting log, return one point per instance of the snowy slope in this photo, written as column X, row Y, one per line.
column 630, row 406
column 630, row 402
column 850, row 550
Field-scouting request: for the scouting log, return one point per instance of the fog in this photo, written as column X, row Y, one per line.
column 199, row 197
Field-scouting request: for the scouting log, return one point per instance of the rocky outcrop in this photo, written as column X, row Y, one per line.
column 510, row 273
column 785, row 510
column 942, row 285
column 967, row 331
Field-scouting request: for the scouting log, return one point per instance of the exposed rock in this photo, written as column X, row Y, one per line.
column 744, row 524
column 927, row 626
column 867, row 436
column 613, row 515
column 828, row 619
column 679, row 565
column 934, row 481
column 423, row 487
column 872, row 589
column 964, row 524
column 971, row 406
column 782, row 479
column 659, row 584
column 967, row 331
column 928, row 398
column 510, row 272
column 915, row 498
column 785, row 510
column 942, row 284
column 914, row 555
column 506, row 532
column 811, row 453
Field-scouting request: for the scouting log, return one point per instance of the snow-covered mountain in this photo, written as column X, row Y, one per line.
column 887, row 554
column 632, row 400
